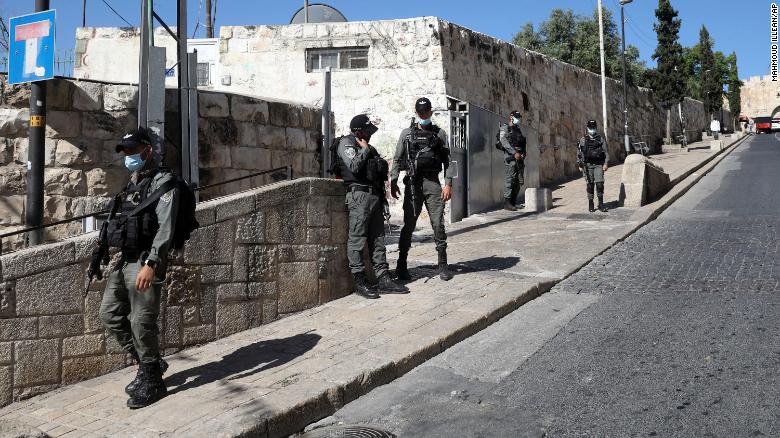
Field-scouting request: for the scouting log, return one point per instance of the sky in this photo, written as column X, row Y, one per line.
column 736, row 26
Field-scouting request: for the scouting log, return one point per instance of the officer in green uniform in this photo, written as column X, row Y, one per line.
column 592, row 159
column 514, row 145
column 364, row 173
column 131, row 300
column 422, row 151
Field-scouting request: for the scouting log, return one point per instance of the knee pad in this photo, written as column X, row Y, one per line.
column 590, row 188
column 600, row 187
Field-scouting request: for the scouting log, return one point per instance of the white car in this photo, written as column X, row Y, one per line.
column 775, row 124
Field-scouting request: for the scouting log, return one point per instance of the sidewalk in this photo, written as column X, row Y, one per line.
column 276, row 379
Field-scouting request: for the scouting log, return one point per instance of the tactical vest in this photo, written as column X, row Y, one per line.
column 425, row 149
column 133, row 233
column 374, row 172
column 594, row 153
column 516, row 139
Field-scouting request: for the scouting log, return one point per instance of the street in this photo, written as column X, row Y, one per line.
column 672, row 332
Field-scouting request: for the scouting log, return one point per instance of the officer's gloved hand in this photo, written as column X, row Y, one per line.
column 395, row 191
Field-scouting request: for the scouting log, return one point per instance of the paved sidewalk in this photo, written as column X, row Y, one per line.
column 276, row 379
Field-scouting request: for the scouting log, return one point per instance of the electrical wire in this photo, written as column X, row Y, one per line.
column 197, row 25
column 117, row 13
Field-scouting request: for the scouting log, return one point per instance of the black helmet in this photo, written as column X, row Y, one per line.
column 592, row 124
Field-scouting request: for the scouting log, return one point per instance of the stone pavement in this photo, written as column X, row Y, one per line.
column 276, row 379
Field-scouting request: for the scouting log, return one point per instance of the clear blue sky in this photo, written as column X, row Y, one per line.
column 741, row 26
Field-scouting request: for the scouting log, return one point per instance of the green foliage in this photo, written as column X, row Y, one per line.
column 669, row 77
column 734, row 86
column 574, row 39
column 710, row 73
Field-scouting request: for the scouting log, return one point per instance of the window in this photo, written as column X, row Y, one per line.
column 337, row 58
column 204, row 74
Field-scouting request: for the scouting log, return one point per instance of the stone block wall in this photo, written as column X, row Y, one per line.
column 760, row 97
column 258, row 256
column 238, row 135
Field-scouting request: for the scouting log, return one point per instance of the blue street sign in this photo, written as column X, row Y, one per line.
column 32, row 47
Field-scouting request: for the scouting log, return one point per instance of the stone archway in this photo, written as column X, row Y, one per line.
column 776, row 112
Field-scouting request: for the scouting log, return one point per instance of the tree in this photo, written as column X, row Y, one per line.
column 574, row 39
column 669, row 79
column 735, row 85
column 710, row 73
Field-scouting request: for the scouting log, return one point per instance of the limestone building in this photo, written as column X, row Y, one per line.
column 760, row 97
column 382, row 67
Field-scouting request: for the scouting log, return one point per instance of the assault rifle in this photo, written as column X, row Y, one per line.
column 411, row 170
column 100, row 253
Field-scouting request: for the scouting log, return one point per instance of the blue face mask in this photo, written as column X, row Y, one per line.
column 134, row 162
column 425, row 122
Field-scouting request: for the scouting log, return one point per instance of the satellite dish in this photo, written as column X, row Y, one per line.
column 319, row 13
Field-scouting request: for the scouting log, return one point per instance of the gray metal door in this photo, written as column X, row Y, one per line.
column 458, row 159
column 485, row 162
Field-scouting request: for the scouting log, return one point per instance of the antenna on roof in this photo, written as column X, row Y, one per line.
column 318, row 13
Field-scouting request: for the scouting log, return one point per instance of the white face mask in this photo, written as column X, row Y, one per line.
column 591, row 132
column 515, row 121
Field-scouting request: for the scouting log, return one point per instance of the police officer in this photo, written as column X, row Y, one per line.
column 364, row 173
column 592, row 159
column 513, row 143
column 131, row 300
column 422, row 151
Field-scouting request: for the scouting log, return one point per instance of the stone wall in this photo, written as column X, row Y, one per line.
column 431, row 57
column 760, row 97
column 238, row 135
column 258, row 256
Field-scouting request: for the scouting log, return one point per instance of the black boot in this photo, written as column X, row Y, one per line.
column 591, row 208
column 387, row 285
column 602, row 208
column 401, row 270
column 444, row 269
column 363, row 287
column 509, row 206
column 150, row 389
column 132, row 386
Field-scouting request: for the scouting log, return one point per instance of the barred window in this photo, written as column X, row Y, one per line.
column 204, row 74
column 337, row 58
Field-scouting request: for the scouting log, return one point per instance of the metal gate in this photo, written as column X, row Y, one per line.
column 458, row 157
column 480, row 167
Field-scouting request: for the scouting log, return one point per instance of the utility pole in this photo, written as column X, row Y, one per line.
column 305, row 11
column 626, row 139
column 35, row 153
column 209, row 20
column 603, row 73
column 84, row 14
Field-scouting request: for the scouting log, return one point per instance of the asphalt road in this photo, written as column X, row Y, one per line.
column 673, row 332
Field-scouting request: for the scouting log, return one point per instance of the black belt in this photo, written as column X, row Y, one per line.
column 359, row 188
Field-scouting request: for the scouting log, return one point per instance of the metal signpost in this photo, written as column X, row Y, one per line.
column 32, row 60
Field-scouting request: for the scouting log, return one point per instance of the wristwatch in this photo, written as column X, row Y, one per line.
column 150, row 263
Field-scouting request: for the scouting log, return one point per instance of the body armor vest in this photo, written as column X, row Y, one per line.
column 516, row 139
column 374, row 172
column 133, row 233
column 593, row 152
column 425, row 149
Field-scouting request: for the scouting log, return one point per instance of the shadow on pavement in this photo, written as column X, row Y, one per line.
column 244, row 362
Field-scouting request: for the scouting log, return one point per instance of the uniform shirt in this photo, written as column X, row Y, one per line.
column 166, row 209
column 354, row 156
column 581, row 150
column 715, row 125
column 503, row 138
column 400, row 155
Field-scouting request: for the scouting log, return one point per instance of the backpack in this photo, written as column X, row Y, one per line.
column 185, row 216
column 185, row 222
column 335, row 160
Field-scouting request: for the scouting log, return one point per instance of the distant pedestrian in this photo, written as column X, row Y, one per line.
column 513, row 144
column 592, row 160
column 422, row 152
column 715, row 128
column 364, row 173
